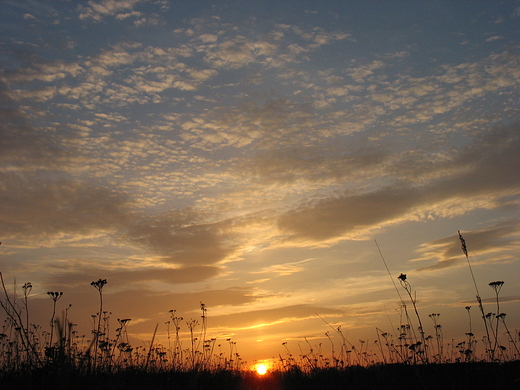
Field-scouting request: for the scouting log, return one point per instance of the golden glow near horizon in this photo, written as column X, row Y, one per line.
column 247, row 155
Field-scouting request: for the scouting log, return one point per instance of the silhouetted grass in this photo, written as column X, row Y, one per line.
column 31, row 358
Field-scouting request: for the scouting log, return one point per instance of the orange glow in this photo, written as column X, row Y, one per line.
column 261, row 368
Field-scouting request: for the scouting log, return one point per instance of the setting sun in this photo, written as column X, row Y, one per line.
column 261, row 369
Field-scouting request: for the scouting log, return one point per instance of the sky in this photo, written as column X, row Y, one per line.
column 253, row 155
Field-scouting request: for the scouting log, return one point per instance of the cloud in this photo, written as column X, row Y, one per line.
column 447, row 252
column 493, row 38
column 31, row 209
column 183, row 237
column 313, row 165
column 503, row 299
column 338, row 216
column 272, row 49
column 476, row 177
column 100, row 9
column 360, row 73
column 22, row 143
column 121, row 75
column 208, row 38
column 128, row 15
column 284, row 269
column 270, row 317
column 45, row 71
column 71, row 276
column 231, row 54
column 277, row 122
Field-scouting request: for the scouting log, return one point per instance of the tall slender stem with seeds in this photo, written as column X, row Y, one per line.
column 490, row 350
column 496, row 286
column 13, row 313
column 54, row 296
column 99, row 286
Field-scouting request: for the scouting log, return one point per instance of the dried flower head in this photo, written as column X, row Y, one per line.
column 497, row 286
column 463, row 244
column 27, row 287
column 402, row 277
column 99, row 284
column 55, row 295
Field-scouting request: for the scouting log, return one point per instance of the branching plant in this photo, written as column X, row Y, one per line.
column 99, row 284
column 464, row 248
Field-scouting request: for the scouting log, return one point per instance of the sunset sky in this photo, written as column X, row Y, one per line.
column 250, row 154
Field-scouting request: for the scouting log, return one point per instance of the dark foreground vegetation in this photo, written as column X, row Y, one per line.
column 390, row 376
column 56, row 357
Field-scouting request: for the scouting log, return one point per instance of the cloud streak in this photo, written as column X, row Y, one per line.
column 340, row 216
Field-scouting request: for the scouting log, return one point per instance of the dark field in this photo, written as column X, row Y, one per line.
column 391, row 376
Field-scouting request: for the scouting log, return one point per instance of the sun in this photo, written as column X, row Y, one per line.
column 261, row 369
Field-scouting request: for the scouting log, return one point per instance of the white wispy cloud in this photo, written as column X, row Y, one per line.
column 284, row 269
column 97, row 10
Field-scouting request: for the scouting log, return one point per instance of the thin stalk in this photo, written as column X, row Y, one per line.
column 150, row 349
column 396, row 289
column 464, row 248
column 497, row 286
column 502, row 317
column 15, row 317
column 344, row 339
column 99, row 286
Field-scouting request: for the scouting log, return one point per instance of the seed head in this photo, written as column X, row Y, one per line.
column 99, row 284
column 463, row 244
column 55, row 295
column 497, row 286
column 27, row 287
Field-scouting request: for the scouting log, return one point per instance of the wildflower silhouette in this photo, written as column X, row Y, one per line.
column 408, row 288
column 26, row 288
column 99, row 284
column 496, row 286
column 55, row 296
column 479, row 300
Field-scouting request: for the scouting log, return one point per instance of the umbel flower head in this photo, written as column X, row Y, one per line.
column 55, row 295
column 99, row 284
column 497, row 286
column 26, row 288
column 402, row 277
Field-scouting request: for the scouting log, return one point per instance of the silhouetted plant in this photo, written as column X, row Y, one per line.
column 418, row 347
column 24, row 345
column 99, row 284
column 14, row 316
column 471, row 339
column 55, row 296
column 496, row 286
column 464, row 248
column 438, row 337
column 512, row 341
